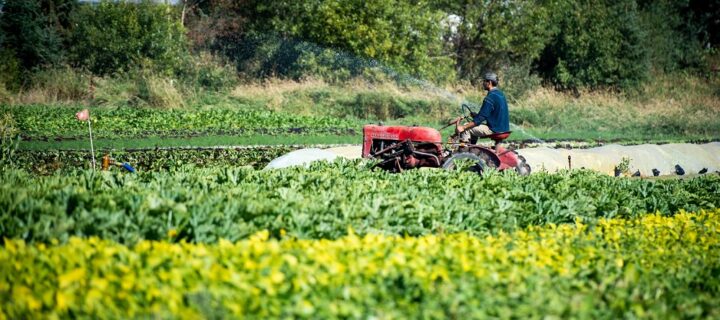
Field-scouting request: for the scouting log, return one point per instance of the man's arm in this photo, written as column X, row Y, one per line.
column 479, row 117
column 461, row 128
column 485, row 110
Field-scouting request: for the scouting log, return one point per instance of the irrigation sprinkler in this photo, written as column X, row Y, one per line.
column 84, row 115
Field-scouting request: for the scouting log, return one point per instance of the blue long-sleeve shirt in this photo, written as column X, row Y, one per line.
column 495, row 110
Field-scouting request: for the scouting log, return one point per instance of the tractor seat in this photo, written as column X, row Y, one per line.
column 497, row 136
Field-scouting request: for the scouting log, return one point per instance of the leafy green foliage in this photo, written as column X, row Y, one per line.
column 49, row 162
column 9, row 139
column 205, row 204
column 208, row 72
column 403, row 35
column 570, row 43
column 33, row 30
column 116, row 36
column 39, row 122
column 667, row 27
column 9, row 70
column 491, row 34
column 654, row 267
column 598, row 45
column 705, row 17
column 33, row 35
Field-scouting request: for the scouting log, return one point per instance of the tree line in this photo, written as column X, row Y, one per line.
column 568, row 44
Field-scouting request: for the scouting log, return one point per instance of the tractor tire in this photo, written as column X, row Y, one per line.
column 478, row 163
column 523, row 168
column 491, row 160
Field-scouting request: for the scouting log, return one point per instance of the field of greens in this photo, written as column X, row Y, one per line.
column 51, row 161
column 205, row 232
column 42, row 123
column 647, row 267
column 201, row 230
column 323, row 201
column 184, row 104
column 42, row 128
column 211, row 238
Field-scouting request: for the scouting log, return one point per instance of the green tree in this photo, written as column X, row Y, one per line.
column 599, row 44
column 33, row 34
column 32, row 30
column 290, row 38
column 402, row 34
column 704, row 21
column 673, row 38
column 117, row 36
column 484, row 35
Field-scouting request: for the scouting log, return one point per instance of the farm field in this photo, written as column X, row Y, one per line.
column 233, row 124
column 343, row 240
column 200, row 230
column 649, row 266
column 207, row 204
column 191, row 159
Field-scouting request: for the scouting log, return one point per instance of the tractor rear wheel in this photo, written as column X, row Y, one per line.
column 477, row 163
column 491, row 160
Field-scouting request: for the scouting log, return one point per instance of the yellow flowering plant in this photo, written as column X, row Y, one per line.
column 648, row 267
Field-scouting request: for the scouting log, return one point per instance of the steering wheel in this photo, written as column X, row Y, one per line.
column 467, row 113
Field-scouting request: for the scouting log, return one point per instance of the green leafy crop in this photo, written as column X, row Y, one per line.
column 233, row 202
column 40, row 122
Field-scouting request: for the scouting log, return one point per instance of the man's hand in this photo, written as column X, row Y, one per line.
column 459, row 128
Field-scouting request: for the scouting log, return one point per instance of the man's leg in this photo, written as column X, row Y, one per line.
column 476, row 131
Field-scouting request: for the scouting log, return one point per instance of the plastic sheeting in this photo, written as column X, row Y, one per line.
column 301, row 157
column 348, row 152
column 691, row 157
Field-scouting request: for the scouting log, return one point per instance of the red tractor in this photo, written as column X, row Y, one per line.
column 400, row 148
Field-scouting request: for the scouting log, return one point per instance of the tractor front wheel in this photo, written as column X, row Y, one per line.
column 476, row 164
column 523, row 168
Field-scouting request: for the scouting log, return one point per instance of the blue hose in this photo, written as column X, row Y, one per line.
column 128, row 167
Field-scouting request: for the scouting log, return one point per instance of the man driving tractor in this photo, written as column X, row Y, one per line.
column 399, row 148
column 494, row 112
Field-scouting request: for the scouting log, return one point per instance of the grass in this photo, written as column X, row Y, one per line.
column 678, row 107
column 656, row 109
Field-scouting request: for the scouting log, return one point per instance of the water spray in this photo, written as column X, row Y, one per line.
column 356, row 64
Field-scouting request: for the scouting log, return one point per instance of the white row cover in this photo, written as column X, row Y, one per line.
column 691, row 157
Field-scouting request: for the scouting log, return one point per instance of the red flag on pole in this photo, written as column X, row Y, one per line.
column 83, row 115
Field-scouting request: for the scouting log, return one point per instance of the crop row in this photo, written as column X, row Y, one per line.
column 40, row 122
column 206, row 204
column 662, row 267
column 47, row 162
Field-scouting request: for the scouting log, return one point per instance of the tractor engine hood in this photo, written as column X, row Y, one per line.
column 398, row 133
column 401, row 133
